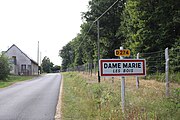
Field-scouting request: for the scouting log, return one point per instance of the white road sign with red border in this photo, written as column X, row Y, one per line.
column 122, row 67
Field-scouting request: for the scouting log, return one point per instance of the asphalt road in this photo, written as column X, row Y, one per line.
column 31, row 100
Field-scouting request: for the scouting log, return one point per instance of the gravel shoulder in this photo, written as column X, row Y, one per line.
column 58, row 107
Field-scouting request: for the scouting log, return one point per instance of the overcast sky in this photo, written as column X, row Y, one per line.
column 51, row 22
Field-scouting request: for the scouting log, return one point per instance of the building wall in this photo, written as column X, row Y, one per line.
column 34, row 69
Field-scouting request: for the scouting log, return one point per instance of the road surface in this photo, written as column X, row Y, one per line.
column 31, row 100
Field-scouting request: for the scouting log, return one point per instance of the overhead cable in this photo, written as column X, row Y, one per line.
column 97, row 20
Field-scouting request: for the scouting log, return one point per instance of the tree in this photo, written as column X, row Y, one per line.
column 56, row 68
column 175, row 57
column 47, row 65
column 150, row 25
column 68, row 55
column 109, row 24
column 141, row 26
column 78, row 50
column 4, row 67
column 83, row 48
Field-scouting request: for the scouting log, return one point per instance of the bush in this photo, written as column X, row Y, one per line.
column 4, row 67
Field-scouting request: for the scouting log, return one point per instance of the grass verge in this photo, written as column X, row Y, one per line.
column 173, row 77
column 85, row 99
column 13, row 79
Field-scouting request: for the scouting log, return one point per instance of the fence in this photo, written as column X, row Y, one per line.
column 174, row 59
column 89, row 68
column 155, row 63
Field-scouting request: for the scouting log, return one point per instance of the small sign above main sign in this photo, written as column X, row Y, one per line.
column 124, row 52
column 122, row 67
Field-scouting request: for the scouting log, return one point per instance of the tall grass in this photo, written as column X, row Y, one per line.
column 173, row 77
column 85, row 99
column 13, row 79
column 78, row 103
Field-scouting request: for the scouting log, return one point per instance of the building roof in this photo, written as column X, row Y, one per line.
column 22, row 53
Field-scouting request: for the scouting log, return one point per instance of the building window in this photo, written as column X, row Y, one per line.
column 29, row 67
column 29, row 71
column 23, row 68
column 14, row 60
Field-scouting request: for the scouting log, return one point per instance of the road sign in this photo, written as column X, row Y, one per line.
column 122, row 67
column 124, row 52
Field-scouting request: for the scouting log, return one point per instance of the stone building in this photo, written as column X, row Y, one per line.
column 20, row 63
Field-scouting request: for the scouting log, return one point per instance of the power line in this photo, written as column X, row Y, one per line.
column 86, row 34
column 161, row 51
column 106, row 11
column 97, row 20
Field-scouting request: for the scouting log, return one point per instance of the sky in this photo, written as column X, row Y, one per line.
column 51, row 22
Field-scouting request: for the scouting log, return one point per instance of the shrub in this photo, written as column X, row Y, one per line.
column 4, row 67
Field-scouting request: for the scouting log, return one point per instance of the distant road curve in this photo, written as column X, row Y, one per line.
column 31, row 100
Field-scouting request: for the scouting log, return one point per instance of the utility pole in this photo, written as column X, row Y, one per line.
column 40, row 62
column 38, row 57
column 99, row 79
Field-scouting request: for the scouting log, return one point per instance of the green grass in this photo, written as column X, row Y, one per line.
column 76, row 102
column 13, row 79
column 84, row 99
column 161, row 77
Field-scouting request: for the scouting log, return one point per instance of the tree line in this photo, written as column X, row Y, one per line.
column 48, row 67
column 138, row 25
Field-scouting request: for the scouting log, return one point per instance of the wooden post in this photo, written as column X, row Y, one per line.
column 99, row 78
column 112, row 79
column 95, row 68
column 91, row 68
column 137, row 78
column 167, row 72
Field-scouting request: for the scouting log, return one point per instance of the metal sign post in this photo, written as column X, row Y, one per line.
column 122, row 67
column 122, row 88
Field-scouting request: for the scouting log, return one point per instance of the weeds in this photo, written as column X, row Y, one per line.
column 173, row 77
column 83, row 100
column 13, row 79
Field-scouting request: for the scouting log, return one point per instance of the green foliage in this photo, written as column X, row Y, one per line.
column 83, row 48
column 67, row 53
column 4, row 67
column 149, row 26
column 47, row 65
column 77, row 103
column 56, row 68
column 109, row 25
column 174, row 56
column 13, row 79
column 141, row 26
column 78, row 60
column 170, row 107
column 88, row 101
column 173, row 77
